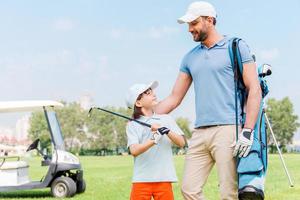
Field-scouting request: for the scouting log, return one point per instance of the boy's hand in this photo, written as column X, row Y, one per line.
column 155, row 127
column 163, row 130
column 156, row 137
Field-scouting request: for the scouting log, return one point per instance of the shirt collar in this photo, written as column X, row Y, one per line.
column 220, row 43
column 223, row 41
column 146, row 118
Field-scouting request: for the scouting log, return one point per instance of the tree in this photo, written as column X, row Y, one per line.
column 283, row 121
column 39, row 129
column 109, row 131
column 72, row 120
column 120, row 127
column 184, row 124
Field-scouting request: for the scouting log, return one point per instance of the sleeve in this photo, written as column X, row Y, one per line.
column 245, row 52
column 173, row 126
column 132, row 136
column 184, row 66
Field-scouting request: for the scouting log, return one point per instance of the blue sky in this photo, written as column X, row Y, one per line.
column 64, row 49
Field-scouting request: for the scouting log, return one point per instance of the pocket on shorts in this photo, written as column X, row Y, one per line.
column 195, row 137
column 232, row 135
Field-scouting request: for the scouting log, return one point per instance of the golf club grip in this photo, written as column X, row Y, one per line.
column 123, row 116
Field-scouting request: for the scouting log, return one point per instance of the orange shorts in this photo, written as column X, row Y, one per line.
column 157, row 190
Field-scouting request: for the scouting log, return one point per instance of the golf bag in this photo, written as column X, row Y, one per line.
column 251, row 169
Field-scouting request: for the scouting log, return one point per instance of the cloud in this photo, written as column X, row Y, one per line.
column 116, row 33
column 103, row 61
column 97, row 68
column 64, row 24
column 160, row 32
column 269, row 54
column 152, row 33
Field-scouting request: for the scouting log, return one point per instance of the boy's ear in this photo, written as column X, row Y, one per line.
column 138, row 103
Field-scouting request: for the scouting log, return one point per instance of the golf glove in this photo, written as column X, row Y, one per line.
column 156, row 136
column 244, row 143
column 163, row 130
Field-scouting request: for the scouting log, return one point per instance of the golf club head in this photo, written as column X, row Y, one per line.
column 254, row 57
column 264, row 70
column 90, row 111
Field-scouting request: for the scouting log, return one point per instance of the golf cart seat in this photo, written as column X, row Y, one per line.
column 13, row 165
column 13, row 172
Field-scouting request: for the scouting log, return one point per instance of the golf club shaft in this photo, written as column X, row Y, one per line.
column 130, row 119
column 123, row 116
column 279, row 151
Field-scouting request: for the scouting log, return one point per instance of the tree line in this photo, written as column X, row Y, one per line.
column 104, row 134
column 100, row 133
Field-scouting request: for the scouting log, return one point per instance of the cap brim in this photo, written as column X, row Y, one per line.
column 153, row 85
column 131, row 101
column 186, row 18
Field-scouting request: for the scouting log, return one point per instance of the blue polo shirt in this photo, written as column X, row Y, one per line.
column 155, row 164
column 213, row 78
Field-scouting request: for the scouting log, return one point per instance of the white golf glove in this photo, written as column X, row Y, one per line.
column 244, row 143
column 156, row 136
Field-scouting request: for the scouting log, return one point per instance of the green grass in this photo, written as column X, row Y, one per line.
column 109, row 178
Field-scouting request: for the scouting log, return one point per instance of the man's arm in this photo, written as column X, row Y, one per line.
column 182, row 84
column 246, row 137
column 254, row 94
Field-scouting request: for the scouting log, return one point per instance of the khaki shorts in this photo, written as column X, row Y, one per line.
column 208, row 146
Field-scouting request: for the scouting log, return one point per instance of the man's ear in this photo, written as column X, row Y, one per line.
column 210, row 20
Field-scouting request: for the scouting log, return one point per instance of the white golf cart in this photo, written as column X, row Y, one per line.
column 64, row 176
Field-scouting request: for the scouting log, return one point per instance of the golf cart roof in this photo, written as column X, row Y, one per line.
column 26, row 106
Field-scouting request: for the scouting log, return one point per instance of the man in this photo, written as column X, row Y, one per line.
column 213, row 141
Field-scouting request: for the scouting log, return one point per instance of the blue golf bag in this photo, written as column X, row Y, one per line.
column 251, row 169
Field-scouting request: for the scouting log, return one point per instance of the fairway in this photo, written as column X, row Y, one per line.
column 108, row 178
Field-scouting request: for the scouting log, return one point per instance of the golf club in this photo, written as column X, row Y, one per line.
column 128, row 118
column 279, row 152
column 119, row 115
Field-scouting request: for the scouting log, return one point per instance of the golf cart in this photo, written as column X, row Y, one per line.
column 64, row 176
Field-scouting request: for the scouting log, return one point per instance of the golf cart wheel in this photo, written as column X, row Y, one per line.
column 63, row 187
column 81, row 186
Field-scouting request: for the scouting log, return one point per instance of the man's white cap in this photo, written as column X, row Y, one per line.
column 197, row 9
column 137, row 89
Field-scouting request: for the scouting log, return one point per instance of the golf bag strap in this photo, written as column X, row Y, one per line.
column 236, row 61
column 237, row 67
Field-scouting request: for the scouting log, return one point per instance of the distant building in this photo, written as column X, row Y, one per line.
column 86, row 101
column 7, row 135
column 14, row 141
column 22, row 128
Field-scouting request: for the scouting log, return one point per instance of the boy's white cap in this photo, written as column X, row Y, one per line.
column 137, row 89
column 197, row 9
